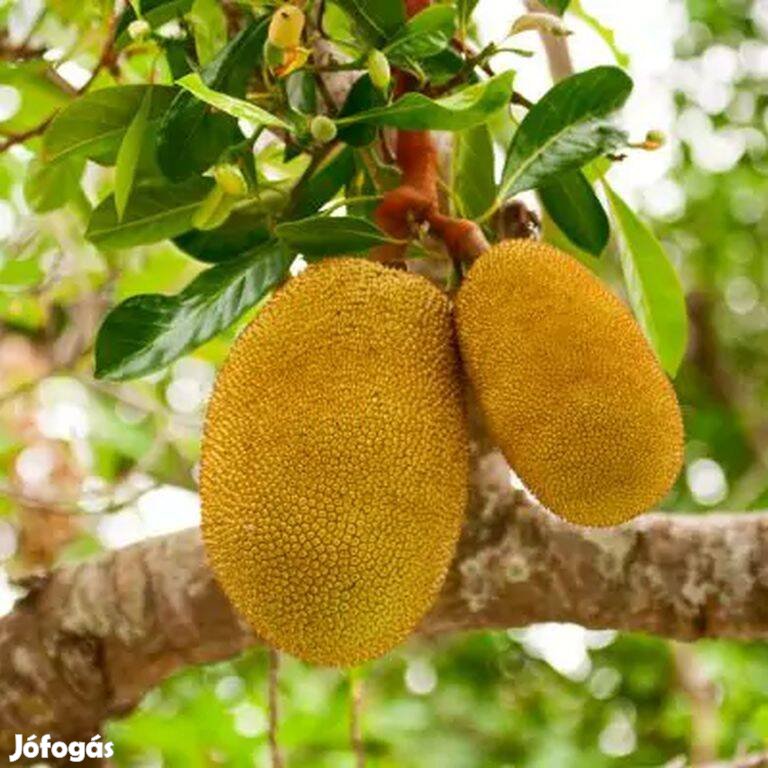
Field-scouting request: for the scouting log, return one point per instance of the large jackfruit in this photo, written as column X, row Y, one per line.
column 571, row 391
column 335, row 462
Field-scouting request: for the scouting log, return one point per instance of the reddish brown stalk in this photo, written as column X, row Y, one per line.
column 416, row 200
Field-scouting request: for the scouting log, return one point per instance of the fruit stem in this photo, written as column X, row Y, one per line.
column 415, row 201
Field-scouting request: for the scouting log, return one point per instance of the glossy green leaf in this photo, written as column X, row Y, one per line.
column 128, row 154
column 149, row 331
column 48, row 186
column 653, row 286
column 566, row 129
column 376, row 20
column 575, row 208
column 93, row 126
column 319, row 236
column 243, row 110
column 301, row 92
column 192, row 135
column 241, row 232
column 209, row 28
column 329, row 177
column 426, row 34
column 157, row 211
column 444, row 67
column 362, row 96
column 458, row 111
column 474, row 183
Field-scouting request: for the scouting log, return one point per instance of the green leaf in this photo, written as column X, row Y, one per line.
column 362, row 96
column 149, row 331
column 465, row 10
column 157, row 211
column 319, row 236
column 128, row 154
column 458, row 111
column 565, row 129
column 192, row 136
column 209, row 27
column 243, row 110
column 556, row 6
column 376, row 20
column 473, row 171
column 329, row 177
column 93, row 126
column 39, row 94
column 241, row 232
column 574, row 207
column 48, row 186
column 653, row 286
column 608, row 35
column 301, row 92
column 426, row 34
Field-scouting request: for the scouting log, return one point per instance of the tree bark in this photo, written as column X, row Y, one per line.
column 90, row 640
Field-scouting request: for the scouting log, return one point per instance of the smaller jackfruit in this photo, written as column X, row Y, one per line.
column 335, row 462
column 570, row 389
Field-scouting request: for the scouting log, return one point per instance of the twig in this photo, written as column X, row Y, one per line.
column 701, row 694
column 19, row 138
column 22, row 389
column 273, row 707
column 20, row 52
column 105, row 59
column 73, row 507
column 356, row 691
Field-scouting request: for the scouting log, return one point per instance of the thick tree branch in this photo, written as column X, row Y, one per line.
column 90, row 640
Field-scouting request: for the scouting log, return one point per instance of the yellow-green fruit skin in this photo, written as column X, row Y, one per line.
column 571, row 392
column 335, row 462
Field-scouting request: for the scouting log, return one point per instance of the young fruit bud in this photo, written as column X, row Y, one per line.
column 379, row 70
column 323, row 129
column 654, row 139
column 139, row 29
column 230, row 179
column 286, row 26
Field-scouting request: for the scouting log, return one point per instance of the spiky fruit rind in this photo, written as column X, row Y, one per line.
column 335, row 462
column 570, row 389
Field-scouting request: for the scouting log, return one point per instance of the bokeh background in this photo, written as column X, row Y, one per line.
column 88, row 466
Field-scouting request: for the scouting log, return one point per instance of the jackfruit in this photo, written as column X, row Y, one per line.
column 570, row 390
column 334, row 465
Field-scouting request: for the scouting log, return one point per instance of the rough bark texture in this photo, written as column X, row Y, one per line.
column 88, row 641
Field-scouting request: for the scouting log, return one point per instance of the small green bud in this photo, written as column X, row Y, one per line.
column 655, row 139
column 379, row 69
column 323, row 129
column 139, row 29
column 230, row 180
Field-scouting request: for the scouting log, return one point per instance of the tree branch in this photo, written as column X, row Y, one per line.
column 90, row 640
